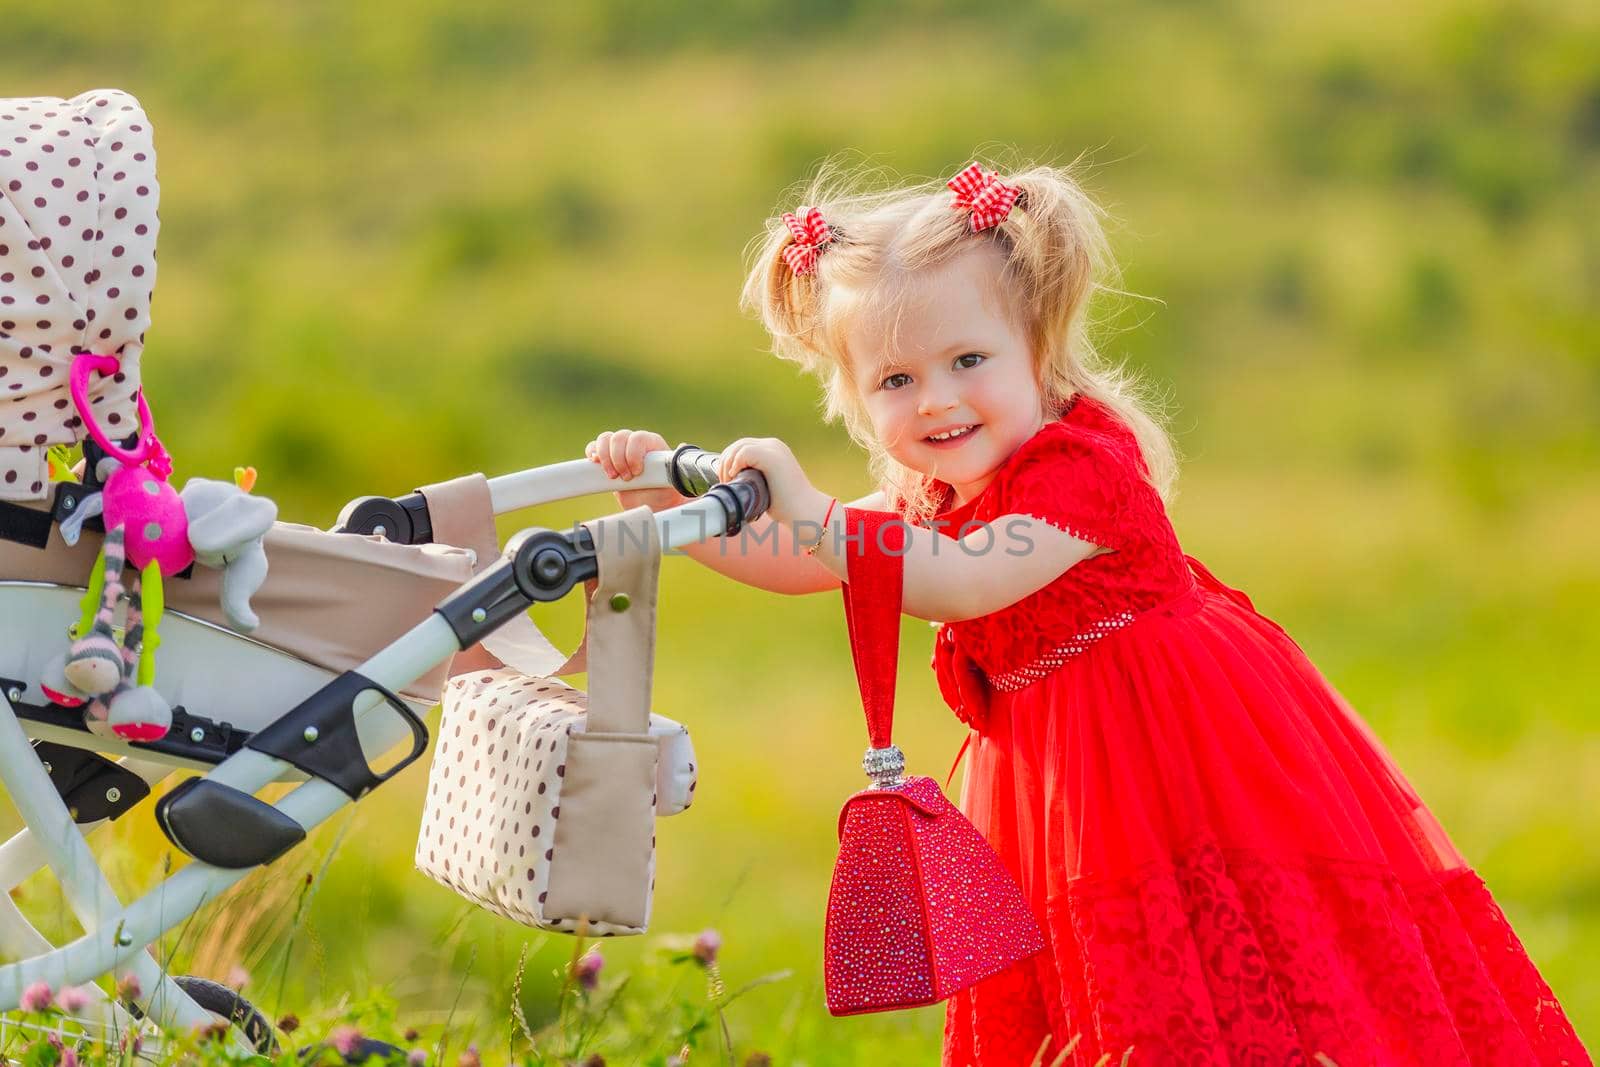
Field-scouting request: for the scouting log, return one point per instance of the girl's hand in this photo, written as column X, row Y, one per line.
column 794, row 498
column 620, row 454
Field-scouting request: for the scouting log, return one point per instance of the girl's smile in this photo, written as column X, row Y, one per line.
column 951, row 438
column 948, row 380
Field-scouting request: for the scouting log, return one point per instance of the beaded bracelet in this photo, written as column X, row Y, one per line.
column 811, row 550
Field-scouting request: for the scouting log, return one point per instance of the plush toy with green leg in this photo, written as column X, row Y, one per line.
column 118, row 675
column 147, row 529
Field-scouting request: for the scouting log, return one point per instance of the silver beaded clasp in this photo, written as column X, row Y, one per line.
column 884, row 766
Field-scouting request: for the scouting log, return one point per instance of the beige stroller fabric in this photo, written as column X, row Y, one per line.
column 332, row 600
column 78, row 224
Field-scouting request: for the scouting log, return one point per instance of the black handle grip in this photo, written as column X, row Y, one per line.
column 745, row 498
column 751, row 487
column 693, row 472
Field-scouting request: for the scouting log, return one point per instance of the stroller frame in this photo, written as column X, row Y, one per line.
column 538, row 565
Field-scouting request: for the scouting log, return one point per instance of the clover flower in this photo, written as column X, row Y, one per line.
column 36, row 998
column 706, row 946
column 345, row 1038
column 587, row 969
column 71, row 999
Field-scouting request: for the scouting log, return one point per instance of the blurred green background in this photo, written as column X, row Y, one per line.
column 402, row 242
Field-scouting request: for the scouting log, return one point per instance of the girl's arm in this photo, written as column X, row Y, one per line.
column 769, row 555
column 993, row 567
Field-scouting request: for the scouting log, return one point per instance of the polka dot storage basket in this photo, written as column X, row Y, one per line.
column 542, row 799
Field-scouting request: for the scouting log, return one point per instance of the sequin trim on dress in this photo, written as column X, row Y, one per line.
column 1044, row 665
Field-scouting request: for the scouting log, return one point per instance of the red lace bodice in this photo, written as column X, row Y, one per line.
column 1082, row 473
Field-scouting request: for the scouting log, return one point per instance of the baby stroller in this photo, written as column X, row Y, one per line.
column 357, row 625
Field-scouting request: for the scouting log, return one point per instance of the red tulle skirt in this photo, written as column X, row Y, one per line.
column 1231, row 870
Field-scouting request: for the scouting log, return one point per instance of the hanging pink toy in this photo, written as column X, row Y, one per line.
column 138, row 496
column 146, row 526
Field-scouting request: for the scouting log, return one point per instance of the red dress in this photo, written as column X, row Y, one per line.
column 1228, row 866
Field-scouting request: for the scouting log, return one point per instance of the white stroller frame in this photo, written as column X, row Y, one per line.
column 538, row 565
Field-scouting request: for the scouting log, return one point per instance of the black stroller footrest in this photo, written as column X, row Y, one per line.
column 225, row 827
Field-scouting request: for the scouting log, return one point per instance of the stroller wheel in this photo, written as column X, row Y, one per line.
column 364, row 1049
column 227, row 1004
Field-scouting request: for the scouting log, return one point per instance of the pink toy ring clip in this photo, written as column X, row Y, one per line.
column 149, row 449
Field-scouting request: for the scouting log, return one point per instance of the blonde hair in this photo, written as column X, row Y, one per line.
column 1056, row 259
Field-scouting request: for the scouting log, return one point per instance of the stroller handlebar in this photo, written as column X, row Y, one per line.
column 689, row 469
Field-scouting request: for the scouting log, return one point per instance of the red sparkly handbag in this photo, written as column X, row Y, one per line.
column 920, row 907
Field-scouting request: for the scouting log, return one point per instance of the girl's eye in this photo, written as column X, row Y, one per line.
column 888, row 383
column 977, row 356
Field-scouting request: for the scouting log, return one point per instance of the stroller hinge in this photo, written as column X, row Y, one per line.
column 91, row 786
column 403, row 520
column 539, row 566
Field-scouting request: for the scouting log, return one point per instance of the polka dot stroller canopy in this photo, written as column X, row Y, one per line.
column 78, row 225
column 78, row 198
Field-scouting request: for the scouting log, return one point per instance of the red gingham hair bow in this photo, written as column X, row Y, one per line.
column 810, row 234
column 982, row 192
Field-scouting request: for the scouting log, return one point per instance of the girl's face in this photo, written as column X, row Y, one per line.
column 957, row 394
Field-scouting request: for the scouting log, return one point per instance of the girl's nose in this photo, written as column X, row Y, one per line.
column 935, row 400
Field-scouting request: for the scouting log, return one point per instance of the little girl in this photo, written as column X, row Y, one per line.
column 1228, row 866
